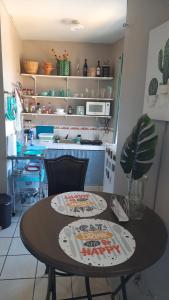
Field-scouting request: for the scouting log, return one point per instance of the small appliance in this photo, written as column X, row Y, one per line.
column 98, row 108
column 80, row 110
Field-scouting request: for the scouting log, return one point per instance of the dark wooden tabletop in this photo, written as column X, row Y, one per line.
column 41, row 224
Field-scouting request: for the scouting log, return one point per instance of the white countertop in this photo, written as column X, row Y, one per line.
column 51, row 145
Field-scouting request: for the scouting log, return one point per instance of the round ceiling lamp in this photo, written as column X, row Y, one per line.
column 73, row 23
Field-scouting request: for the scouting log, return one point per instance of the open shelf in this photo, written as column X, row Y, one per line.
column 65, row 77
column 66, row 115
column 67, row 98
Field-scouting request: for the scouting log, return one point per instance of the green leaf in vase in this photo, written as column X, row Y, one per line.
column 139, row 149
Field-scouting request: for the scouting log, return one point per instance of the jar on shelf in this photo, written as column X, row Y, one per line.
column 43, row 109
column 48, row 68
column 70, row 110
column 38, row 108
column 32, row 108
column 26, row 105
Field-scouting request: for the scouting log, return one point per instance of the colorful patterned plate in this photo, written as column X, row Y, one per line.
column 97, row 242
column 79, row 204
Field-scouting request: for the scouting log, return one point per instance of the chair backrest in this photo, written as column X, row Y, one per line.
column 65, row 174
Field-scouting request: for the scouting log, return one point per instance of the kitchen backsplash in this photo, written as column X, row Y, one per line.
column 90, row 133
column 86, row 132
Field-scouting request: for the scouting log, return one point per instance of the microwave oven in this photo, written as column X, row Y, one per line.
column 98, row 108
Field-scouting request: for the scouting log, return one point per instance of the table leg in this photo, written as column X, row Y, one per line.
column 123, row 287
column 89, row 296
column 51, row 284
column 13, row 190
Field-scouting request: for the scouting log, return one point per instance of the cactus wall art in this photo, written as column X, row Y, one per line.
column 156, row 99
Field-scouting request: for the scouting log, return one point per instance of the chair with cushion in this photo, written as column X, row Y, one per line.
column 65, row 174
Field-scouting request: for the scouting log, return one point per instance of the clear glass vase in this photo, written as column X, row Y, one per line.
column 135, row 198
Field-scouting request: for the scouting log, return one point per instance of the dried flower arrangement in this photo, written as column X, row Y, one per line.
column 64, row 56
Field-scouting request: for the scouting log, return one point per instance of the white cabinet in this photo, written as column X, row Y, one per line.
column 109, row 168
column 62, row 91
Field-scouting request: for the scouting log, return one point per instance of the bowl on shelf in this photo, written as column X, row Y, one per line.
column 30, row 67
column 60, row 111
column 45, row 93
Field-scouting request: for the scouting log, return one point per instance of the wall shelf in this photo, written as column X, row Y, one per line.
column 70, row 86
column 65, row 115
column 65, row 77
column 67, row 98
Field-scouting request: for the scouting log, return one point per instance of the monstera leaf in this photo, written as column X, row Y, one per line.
column 139, row 148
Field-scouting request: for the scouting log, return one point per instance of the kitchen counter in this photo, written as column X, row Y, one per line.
column 62, row 146
column 95, row 154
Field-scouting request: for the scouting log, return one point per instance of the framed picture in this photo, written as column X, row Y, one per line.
column 156, row 99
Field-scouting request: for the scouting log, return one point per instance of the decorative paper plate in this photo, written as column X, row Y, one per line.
column 97, row 242
column 79, row 204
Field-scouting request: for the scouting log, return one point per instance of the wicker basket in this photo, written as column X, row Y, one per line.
column 30, row 67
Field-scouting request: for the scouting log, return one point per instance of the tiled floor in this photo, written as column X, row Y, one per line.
column 22, row 275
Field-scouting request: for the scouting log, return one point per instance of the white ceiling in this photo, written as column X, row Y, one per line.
column 41, row 19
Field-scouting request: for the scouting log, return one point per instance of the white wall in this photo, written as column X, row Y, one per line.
column 10, row 45
column 117, row 51
column 142, row 16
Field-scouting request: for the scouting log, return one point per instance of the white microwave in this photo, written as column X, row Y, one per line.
column 98, row 108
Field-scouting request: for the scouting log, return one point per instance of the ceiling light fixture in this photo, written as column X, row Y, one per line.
column 77, row 27
column 73, row 23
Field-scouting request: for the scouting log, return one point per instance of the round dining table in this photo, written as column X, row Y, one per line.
column 40, row 227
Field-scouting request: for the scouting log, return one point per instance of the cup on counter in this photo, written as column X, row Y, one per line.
column 92, row 93
column 102, row 92
column 53, row 93
column 86, row 92
column 109, row 92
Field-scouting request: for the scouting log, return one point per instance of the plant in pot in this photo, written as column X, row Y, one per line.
column 152, row 91
column 136, row 160
column 163, row 65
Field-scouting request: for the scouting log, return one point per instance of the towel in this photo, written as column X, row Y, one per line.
column 18, row 123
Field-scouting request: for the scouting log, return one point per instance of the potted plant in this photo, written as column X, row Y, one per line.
column 152, row 91
column 163, row 65
column 136, row 160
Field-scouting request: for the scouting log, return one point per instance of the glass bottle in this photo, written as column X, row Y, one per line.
column 70, row 110
column 98, row 69
column 49, row 108
column 85, row 68
column 38, row 108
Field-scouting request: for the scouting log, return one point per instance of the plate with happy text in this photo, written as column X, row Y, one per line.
column 97, row 242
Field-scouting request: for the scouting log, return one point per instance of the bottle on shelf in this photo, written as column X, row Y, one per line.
column 30, row 133
column 98, row 69
column 31, row 137
column 85, row 68
column 70, row 110
column 49, row 109
column 38, row 108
